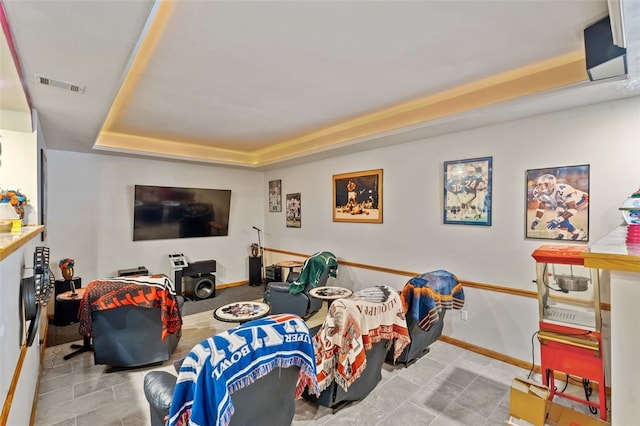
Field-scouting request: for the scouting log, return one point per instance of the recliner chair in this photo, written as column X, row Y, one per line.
column 279, row 296
column 335, row 396
column 420, row 340
column 252, row 407
column 425, row 299
column 133, row 321
column 130, row 336
column 344, row 373
column 230, row 379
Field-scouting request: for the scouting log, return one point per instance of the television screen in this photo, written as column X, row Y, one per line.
column 162, row 212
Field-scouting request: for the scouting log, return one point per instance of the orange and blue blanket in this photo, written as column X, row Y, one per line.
column 351, row 327
column 141, row 290
column 220, row 365
column 425, row 295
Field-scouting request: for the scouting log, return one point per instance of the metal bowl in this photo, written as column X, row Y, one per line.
column 572, row 283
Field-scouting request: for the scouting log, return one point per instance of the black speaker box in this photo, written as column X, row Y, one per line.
column 604, row 59
column 255, row 273
column 273, row 273
column 199, row 288
column 197, row 269
column 140, row 270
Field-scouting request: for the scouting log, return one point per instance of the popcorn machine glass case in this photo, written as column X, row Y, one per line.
column 568, row 293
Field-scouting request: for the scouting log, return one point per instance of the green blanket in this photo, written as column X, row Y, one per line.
column 312, row 269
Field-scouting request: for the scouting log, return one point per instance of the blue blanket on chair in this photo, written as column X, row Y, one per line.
column 425, row 295
column 229, row 361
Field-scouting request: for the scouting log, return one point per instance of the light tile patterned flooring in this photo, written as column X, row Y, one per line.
column 448, row 386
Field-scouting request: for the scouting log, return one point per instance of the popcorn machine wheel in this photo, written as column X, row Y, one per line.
column 570, row 322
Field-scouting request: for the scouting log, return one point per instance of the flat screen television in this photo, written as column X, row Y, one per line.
column 163, row 212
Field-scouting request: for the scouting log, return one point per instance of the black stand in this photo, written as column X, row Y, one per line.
column 261, row 256
column 66, row 311
column 86, row 346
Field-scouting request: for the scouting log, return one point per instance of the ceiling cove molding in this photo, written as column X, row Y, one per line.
column 543, row 76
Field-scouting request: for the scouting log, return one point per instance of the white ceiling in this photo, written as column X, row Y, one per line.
column 262, row 84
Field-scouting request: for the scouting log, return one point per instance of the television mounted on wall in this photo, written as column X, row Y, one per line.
column 163, row 212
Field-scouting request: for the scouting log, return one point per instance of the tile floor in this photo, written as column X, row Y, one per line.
column 448, row 386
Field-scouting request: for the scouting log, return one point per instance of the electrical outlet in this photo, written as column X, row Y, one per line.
column 463, row 315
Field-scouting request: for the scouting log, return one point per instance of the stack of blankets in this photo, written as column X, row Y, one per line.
column 424, row 296
column 143, row 291
column 351, row 327
column 229, row 361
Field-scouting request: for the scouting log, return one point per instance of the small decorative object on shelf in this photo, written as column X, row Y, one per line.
column 255, row 249
column 16, row 199
column 631, row 209
column 66, row 267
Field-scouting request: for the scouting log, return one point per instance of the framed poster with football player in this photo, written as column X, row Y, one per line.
column 467, row 191
column 558, row 203
column 294, row 215
column 275, row 195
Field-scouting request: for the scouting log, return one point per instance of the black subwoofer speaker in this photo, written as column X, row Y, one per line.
column 200, row 288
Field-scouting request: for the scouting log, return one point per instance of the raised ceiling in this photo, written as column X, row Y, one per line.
column 261, row 84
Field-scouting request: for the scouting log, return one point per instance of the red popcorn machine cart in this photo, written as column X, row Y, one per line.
column 570, row 322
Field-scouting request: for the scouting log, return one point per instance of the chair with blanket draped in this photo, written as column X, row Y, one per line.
column 133, row 321
column 248, row 375
column 293, row 297
column 351, row 344
column 425, row 299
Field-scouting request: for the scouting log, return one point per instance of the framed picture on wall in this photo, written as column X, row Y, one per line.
column 294, row 216
column 467, row 191
column 357, row 197
column 275, row 195
column 558, row 203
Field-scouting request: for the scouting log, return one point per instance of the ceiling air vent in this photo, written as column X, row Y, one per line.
column 59, row 84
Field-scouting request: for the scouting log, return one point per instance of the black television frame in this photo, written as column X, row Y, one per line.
column 168, row 212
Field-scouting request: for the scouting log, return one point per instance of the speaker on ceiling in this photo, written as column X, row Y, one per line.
column 604, row 59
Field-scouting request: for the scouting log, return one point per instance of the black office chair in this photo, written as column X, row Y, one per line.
column 315, row 272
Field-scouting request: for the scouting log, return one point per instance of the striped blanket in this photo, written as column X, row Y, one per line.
column 140, row 290
column 229, row 361
column 351, row 327
column 425, row 295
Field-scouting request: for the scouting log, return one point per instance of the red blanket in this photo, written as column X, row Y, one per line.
column 143, row 291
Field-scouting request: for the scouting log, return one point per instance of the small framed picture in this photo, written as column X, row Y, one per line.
column 294, row 216
column 357, row 197
column 275, row 195
column 467, row 191
column 558, row 203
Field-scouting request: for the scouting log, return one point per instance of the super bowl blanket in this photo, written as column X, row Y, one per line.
column 425, row 295
column 351, row 327
column 141, row 290
column 229, row 361
column 312, row 269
